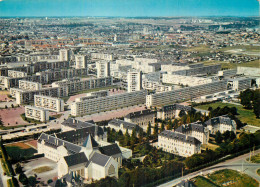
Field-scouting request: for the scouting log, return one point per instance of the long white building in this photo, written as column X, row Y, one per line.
column 178, row 143
column 36, row 113
column 184, row 80
column 49, row 103
column 112, row 102
column 29, row 85
column 166, row 98
column 16, row 74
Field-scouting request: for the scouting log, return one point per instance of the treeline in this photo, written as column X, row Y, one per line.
column 244, row 141
column 250, row 99
column 142, row 176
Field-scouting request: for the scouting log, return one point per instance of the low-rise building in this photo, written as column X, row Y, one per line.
column 221, row 124
column 124, row 126
column 141, row 118
column 197, row 130
column 171, row 111
column 178, row 143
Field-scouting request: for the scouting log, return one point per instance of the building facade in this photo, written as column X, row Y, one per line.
column 49, row 103
column 36, row 113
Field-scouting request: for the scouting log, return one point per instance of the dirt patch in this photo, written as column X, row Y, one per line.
column 32, row 143
column 42, row 169
column 11, row 116
column 19, row 144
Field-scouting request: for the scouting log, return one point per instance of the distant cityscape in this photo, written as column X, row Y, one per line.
column 148, row 101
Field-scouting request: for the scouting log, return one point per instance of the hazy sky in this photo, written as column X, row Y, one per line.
column 128, row 8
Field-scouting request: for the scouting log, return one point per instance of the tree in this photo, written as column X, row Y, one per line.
column 127, row 138
column 18, row 168
column 256, row 103
column 155, row 132
column 218, row 138
column 6, row 107
column 162, row 127
column 49, row 181
column 182, row 113
column 149, row 129
column 246, row 98
column 133, row 137
column 141, row 134
column 32, row 181
column 12, row 105
column 23, row 179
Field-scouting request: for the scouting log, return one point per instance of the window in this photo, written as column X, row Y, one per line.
column 111, row 170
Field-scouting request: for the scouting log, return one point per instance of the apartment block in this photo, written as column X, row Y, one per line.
column 112, row 102
column 184, row 80
column 102, row 56
column 238, row 84
column 134, row 81
column 28, row 85
column 23, row 96
column 49, row 103
column 64, row 55
column 103, row 69
column 178, row 143
column 36, row 113
column 76, row 85
column 16, row 74
column 156, row 86
column 81, row 61
column 170, row 97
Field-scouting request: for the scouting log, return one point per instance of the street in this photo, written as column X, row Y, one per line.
column 239, row 163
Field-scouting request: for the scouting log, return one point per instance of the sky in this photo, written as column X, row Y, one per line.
column 128, row 8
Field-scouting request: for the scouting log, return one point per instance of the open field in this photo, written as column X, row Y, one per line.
column 209, row 146
column 202, row 181
column 233, row 178
column 200, row 49
column 18, row 152
column 11, row 116
column 226, row 64
column 225, row 177
column 246, row 116
column 20, row 145
column 32, row 143
column 247, row 48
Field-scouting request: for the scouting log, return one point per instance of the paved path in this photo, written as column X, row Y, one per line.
column 235, row 164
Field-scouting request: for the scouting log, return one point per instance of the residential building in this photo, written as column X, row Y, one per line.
column 124, row 126
column 28, row 85
column 81, row 61
column 103, row 69
column 134, row 81
column 36, row 113
column 142, row 118
column 49, row 103
column 112, row 102
column 16, row 74
column 221, row 124
column 178, row 143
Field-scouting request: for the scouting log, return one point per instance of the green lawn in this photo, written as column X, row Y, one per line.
column 16, row 153
column 234, row 178
column 247, row 48
column 203, row 182
column 200, row 49
column 246, row 116
column 42, row 169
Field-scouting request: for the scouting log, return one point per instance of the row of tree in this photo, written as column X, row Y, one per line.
column 250, row 99
column 245, row 141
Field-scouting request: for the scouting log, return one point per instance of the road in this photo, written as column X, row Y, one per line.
column 238, row 163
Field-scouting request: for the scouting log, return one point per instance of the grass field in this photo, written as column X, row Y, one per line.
column 209, row 146
column 246, row 116
column 247, row 48
column 203, row 182
column 42, row 169
column 17, row 152
column 255, row 159
column 199, row 49
column 254, row 64
column 232, row 178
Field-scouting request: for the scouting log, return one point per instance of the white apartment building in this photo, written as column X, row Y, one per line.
column 103, row 69
column 81, row 61
column 153, row 85
column 28, row 85
column 16, row 74
column 134, row 81
column 197, row 130
column 238, row 84
column 36, row 113
column 49, row 103
column 170, row 97
column 64, row 55
column 171, row 68
column 93, row 95
column 112, row 102
column 221, row 124
column 184, row 80
column 178, row 143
